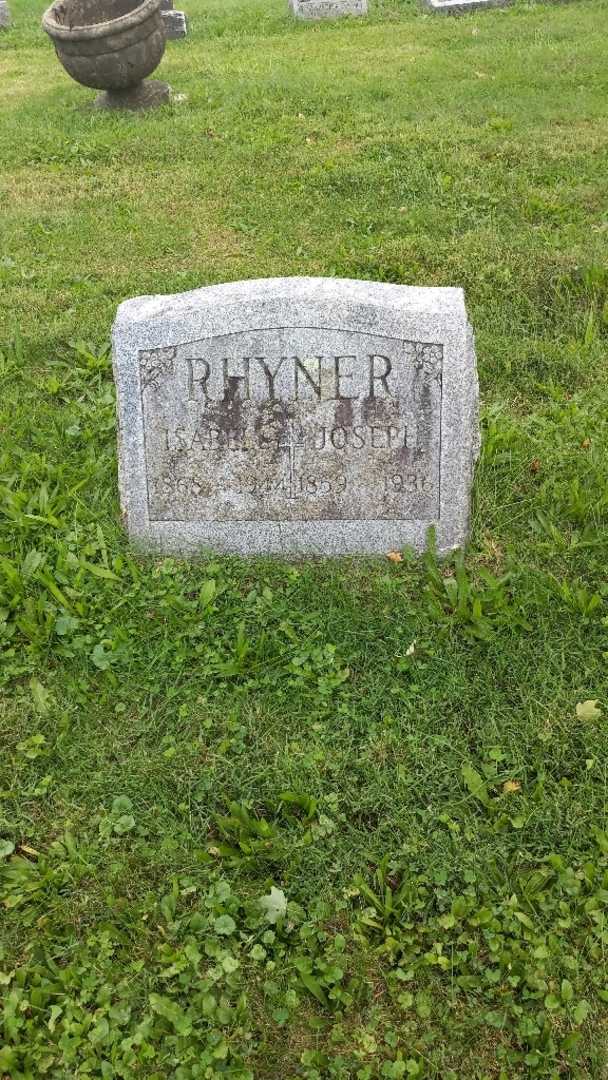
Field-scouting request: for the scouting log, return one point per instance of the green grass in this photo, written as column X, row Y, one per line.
column 178, row 740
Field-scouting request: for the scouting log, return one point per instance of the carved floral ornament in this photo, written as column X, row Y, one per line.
column 429, row 359
column 156, row 365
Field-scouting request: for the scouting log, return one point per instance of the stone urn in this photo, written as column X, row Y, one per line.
column 111, row 45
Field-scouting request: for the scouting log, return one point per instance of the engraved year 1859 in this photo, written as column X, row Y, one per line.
column 293, row 487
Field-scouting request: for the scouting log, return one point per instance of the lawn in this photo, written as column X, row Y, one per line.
column 318, row 819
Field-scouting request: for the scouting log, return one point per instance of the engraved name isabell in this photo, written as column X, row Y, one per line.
column 324, row 428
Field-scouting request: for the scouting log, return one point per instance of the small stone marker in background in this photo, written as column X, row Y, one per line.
column 5, row 15
column 327, row 9
column 461, row 7
column 175, row 21
column 296, row 416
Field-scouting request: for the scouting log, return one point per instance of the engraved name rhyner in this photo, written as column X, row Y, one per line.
column 293, row 424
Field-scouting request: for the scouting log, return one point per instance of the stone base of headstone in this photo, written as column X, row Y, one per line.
column 327, row 9
column 461, row 7
column 5, row 15
column 175, row 24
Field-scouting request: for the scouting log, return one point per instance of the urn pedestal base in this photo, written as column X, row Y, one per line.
column 146, row 95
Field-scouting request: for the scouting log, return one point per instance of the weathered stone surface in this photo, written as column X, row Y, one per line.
column 461, row 7
column 5, row 15
column 327, row 9
column 296, row 415
column 148, row 95
column 175, row 24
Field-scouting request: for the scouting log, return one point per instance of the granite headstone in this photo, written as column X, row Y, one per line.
column 296, row 416
column 327, row 9
column 462, row 7
column 5, row 15
column 174, row 21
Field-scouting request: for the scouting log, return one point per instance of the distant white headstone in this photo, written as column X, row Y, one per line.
column 327, row 9
column 461, row 7
column 296, row 415
column 5, row 14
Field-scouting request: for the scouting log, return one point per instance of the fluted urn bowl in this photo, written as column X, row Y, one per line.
column 111, row 45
